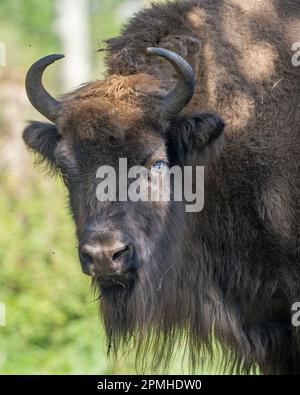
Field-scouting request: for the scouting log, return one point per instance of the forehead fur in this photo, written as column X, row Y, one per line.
column 115, row 104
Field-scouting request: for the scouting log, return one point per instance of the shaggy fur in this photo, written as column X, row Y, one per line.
column 231, row 272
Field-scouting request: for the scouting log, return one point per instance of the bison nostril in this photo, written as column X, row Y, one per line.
column 120, row 254
column 86, row 258
column 86, row 262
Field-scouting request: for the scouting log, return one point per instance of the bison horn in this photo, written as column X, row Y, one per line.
column 183, row 92
column 37, row 94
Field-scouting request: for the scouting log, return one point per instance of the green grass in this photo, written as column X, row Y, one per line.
column 52, row 322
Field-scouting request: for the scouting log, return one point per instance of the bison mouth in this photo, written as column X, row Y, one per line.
column 115, row 281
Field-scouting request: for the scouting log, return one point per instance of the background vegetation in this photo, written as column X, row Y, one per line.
column 52, row 319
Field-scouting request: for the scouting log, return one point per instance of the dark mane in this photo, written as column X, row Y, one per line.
column 149, row 28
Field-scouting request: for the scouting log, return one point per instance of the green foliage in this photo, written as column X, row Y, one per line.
column 49, row 305
column 52, row 320
column 30, row 17
column 27, row 27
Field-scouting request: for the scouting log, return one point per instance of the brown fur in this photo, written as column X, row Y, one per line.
column 234, row 267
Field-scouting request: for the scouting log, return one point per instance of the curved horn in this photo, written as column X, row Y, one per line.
column 37, row 94
column 183, row 92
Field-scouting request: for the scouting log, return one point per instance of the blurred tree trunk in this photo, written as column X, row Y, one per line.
column 73, row 29
column 13, row 102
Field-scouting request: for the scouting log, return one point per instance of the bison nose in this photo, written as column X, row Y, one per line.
column 106, row 254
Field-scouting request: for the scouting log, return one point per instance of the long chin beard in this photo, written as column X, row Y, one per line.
column 149, row 320
column 129, row 311
column 129, row 306
column 143, row 317
column 149, row 315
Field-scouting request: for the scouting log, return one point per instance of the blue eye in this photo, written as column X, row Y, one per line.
column 160, row 165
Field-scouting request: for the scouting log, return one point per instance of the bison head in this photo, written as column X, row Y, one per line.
column 120, row 117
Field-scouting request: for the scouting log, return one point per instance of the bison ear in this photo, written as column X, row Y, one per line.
column 42, row 138
column 192, row 136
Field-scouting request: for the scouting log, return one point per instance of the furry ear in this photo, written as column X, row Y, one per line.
column 189, row 136
column 42, row 138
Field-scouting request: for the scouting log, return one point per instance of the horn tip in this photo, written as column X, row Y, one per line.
column 46, row 61
column 59, row 55
column 55, row 57
column 150, row 50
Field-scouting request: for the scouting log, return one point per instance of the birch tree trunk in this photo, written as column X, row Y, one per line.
column 73, row 28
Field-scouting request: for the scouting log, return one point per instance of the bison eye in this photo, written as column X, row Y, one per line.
column 160, row 165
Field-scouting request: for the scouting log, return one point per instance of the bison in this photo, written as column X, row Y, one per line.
column 230, row 272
